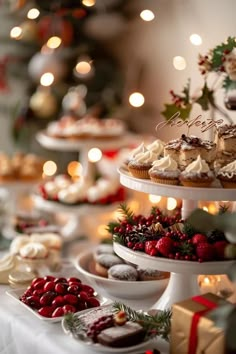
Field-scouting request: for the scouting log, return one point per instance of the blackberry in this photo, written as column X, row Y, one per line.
column 215, row 235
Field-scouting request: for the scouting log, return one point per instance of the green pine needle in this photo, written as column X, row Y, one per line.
column 158, row 324
column 73, row 323
column 127, row 212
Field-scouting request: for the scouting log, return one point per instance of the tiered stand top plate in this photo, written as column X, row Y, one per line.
column 169, row 265
column 181, row 192
column 77, row 144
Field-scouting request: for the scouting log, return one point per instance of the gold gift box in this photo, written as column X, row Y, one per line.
column 208, row 338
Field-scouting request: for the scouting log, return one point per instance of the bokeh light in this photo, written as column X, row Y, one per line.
column 195, row 39
column 49, row 168
column 33, row 14
column 54, row 42
column 47, row 79
column 16, row 32
column 147, row 15
column 83, row 67
column 179, row 63
column 94, row 155
column 136, row 99
column 171, row 203
column 88, row 3
column 74, row 169
column 154, row 198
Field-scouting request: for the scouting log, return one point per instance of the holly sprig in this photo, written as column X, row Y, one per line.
column 220, row 51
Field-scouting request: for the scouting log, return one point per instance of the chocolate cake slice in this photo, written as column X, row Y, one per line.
column 129, row 334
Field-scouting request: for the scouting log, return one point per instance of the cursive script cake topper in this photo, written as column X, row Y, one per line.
column 176, row 121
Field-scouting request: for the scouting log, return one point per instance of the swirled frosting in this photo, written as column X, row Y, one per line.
column 157, row 147
column 165, row 164
column 198, row 166
column 49, row 240
column 18, row 242
column 33, row 250
column 140, row 149
column 228, row 170
column 145, row 157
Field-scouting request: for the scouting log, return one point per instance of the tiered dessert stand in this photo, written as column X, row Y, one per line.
column 75, row 226
column 183, row 279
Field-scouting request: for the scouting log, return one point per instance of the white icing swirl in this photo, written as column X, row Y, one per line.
column 33, row 250
column 157, row 147
column 18, row 242
column 198, row 166
column 7, row 262
column 165, row 164
column 145, row 157
column 140, row 149
column 228, row 170
column 49, row 240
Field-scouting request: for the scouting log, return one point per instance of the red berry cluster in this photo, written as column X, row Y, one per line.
column 54, row 297
column 177, row 245
column 178, row 101
column 166, row 236
column 204, row 63
column 99, row 325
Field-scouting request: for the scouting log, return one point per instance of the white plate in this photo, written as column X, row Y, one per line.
column 16, row 293
column 105, row 349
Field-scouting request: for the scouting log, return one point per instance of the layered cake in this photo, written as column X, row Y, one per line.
column 86, row 128
column 226, row 138
column 186, row 149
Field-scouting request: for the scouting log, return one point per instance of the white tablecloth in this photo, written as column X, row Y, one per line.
column 23, row 333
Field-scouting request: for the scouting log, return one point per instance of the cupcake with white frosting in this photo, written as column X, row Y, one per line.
column 227, row 175
column 33, row 256
column 165, row 171
column 157, row 147
column 134, row 152
column 141, row 164
column 197, row 174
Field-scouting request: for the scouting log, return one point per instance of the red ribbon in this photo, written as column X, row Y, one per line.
column 193, row 339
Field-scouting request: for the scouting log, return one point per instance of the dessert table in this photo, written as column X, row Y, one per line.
column 23, row 333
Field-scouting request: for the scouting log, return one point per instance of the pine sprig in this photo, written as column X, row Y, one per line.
column 119, row 239
column 111, row 226
column 126, row 212
column 74, row 324
column 155, row 325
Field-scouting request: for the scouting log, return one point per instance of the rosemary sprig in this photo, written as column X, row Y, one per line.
column 155, row 325
column 74, row 324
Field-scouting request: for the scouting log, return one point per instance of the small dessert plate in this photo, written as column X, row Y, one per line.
column 16, row 293
column 96, row 347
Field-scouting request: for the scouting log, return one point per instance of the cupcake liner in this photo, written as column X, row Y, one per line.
column 139, row 173
column 200, row 184
column 228, row 184
column 172, row 182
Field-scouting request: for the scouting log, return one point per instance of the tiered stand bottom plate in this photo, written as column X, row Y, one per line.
column 183, row 279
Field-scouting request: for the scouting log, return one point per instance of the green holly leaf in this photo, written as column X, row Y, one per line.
column 206, row 99
column 218, row 52
column 171, row 110
column 229, row 84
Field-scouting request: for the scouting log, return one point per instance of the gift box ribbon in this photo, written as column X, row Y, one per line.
column 193, row 339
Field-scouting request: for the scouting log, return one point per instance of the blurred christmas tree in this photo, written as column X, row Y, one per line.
column 70, row 71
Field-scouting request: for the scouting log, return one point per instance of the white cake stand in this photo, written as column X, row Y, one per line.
column 84, row 145
column 75, row 227
column 183, row 278
column 190, row 196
